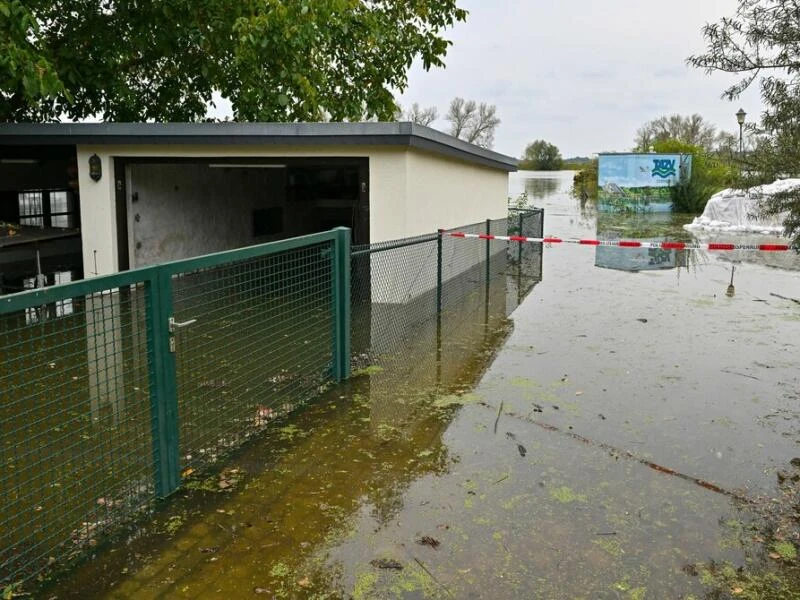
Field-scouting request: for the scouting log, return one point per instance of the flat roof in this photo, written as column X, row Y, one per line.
column 267, row 134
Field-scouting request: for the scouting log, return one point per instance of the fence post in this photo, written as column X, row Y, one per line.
column 519, row 244
column 163, row 386
column 488, row 249
column 439, row 272
column 341, row 304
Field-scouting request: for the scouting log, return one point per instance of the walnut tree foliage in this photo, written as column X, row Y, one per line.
column 161, row 60
column 761, row 42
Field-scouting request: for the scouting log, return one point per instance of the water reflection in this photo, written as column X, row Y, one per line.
column 536, row 184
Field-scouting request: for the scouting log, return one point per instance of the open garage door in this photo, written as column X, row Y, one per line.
column 169, row 209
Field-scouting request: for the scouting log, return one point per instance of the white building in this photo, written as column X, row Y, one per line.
column 145, row 193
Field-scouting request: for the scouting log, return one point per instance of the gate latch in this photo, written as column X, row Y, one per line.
column 174, row 325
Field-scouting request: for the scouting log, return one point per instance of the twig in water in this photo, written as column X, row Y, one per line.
column 630, row 455
column 432, row 576
column 497, row 420
column 503, row 478
column 795, row 300
column 740, row 374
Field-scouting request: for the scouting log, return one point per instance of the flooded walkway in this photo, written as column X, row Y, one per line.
column 628, row 433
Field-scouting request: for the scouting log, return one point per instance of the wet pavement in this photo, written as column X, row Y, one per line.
column 628, row 433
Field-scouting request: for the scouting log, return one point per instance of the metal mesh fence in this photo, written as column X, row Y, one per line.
column 110, row 386
column 259, row 345
column 105, row 405
column 396, row 291
column 528, row 222
column 76, row 450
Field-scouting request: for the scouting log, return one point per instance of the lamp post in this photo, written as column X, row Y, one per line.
column 740, row 116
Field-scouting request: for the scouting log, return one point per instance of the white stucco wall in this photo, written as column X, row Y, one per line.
column 411, row 192
column 445, row 193
column 98, row 216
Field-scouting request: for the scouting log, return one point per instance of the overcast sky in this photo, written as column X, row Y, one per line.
column 581, row 74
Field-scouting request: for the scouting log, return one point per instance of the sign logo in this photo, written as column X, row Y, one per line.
column 663, row 168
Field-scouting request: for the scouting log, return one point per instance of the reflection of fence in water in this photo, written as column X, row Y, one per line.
column 395, row 285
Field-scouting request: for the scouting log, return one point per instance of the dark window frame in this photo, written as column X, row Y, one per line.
column 45, row 214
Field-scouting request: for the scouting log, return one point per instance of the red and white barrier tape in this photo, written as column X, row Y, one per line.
column 622, row 243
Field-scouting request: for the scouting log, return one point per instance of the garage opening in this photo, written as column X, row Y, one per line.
column 40, row 241
column 183, row 208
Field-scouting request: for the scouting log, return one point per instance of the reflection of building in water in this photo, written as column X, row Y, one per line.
column 422, row 350
column 636, row 259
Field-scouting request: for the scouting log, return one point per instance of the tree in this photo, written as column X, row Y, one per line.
column 708, row 176
column 472, row 122
column 761, row 42
column 275, row 60
column 421, row 116
column 692, row 130
column 541, row 156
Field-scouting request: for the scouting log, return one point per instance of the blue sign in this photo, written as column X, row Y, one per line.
column 640, row 182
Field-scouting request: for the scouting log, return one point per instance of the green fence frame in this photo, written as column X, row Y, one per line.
column 154, row 285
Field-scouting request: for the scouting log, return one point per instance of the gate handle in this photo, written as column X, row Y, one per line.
column 173, row 324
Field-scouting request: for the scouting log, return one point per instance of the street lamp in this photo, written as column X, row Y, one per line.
column 740, row 116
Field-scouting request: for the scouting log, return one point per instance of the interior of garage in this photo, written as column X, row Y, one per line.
column 183, row 208
column 39, row 217
column 168, row 209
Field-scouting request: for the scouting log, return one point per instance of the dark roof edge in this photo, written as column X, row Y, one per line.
column 268, row 134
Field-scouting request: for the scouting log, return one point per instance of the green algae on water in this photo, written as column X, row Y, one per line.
column 566, row 495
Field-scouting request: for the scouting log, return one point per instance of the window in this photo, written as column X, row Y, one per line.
column 62, row 210
column 46, row 208
column 30, row 209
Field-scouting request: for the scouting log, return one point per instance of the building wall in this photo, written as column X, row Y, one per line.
column 98, row 216
column 445, row 193
column 411, row 192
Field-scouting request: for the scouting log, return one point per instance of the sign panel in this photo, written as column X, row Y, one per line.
column 640, row 182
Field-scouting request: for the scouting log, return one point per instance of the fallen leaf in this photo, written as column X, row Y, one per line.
column 774, row 555
column 737, row 590
column 579, row 393
column 304, row 582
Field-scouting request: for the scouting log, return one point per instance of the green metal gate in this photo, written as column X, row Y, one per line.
column 111, row 388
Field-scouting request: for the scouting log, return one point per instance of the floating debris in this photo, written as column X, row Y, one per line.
column 427, row 540
column 386, row 563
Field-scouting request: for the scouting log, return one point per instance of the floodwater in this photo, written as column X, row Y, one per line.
column 627, row 433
